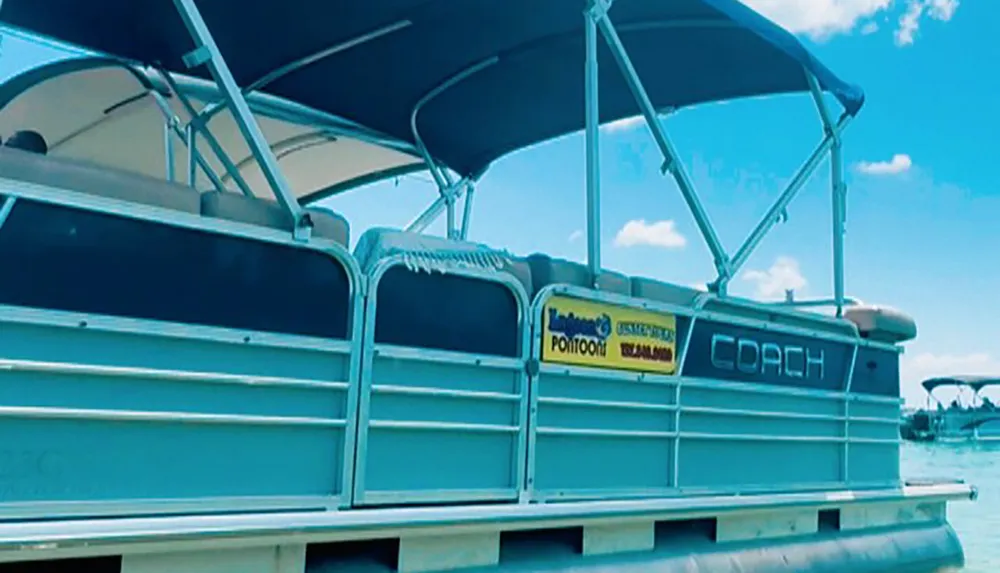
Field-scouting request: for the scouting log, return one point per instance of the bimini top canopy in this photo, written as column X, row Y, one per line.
column 977, row 383
column 106, row 112
column 372, row 61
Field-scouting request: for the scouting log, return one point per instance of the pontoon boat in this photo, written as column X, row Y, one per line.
column 198, row 375
column 961, row 420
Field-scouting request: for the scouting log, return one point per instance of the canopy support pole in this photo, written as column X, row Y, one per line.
column 777, row 211
column 672, row 163
column 211, row 109
column 192, row 148
column 470, row 193
column 6, row 207
column 208, row 54
column 434, row 210
column 168, row 150
column 441, row 176
column 838, row 191
column 594, row 12
column 213, row 143
column 174, row 122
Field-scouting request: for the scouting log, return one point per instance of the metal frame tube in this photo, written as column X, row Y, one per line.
column 211, row 109
column 6, row 207
column 672, row 162
column 209, row 55
column 781, row 204
column 441, row 177
column 470, row 190
column 192, row 147
column 592, row 122
column 838, row 190
column 168, row 150
column 839, row 224
column 438, row 206
column 181, row 134
column 213, row 143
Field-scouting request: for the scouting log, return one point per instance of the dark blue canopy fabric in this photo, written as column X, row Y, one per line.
column 686, row 52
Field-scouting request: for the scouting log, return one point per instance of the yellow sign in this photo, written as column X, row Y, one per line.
column 588, row 333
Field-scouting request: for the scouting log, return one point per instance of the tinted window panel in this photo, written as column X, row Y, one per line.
column 68, row 259
column 446, row 312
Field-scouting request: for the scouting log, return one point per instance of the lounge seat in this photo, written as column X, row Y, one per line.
column 546, row 270
column 881, row 323
column 84, row 177
column 233, row 206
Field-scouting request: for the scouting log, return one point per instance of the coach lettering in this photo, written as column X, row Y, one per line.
column 768, row 358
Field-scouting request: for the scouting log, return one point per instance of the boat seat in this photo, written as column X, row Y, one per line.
column 233, row 206
column 546, row 270
column 659, row 291
column 93, row 179
column 881, row 323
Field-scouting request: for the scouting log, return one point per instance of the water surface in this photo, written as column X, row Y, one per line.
column 977, row 522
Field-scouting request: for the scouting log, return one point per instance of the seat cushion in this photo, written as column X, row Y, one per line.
column 546, row 270
column 93, row 179
column 659, row 291
column 236, row 207
column 882, row 323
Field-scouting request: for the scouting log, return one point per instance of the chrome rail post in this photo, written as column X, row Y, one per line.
column 838, row 190
column 181, row 134
column 168, row 150
column 6, row 207
column 213, row 143
column 470, row 191
column 594, row 13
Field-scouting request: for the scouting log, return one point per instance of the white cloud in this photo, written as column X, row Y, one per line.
column 909, row 22
column 820, row 19
column 575, row 236
column 899, row 163
column 656, row 234
column 919, row 367
column 783, row 275
column 623, row 124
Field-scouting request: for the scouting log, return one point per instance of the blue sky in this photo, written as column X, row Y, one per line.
column 923, row 196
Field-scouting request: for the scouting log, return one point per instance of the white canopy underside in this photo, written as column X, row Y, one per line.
column 105, row 115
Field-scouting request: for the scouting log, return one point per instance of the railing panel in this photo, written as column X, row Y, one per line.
column 162, row 362
column 126, row 421
column 603, row 399
column 444, row 396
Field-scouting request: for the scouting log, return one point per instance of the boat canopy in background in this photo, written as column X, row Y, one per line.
column 977, row 383
column 686, row 51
